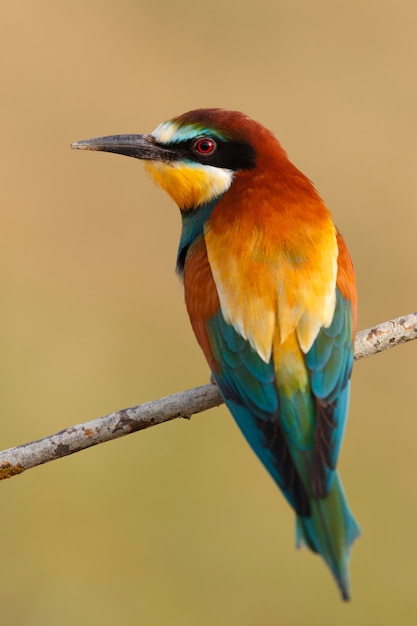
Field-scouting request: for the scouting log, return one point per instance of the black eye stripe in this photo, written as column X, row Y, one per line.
column 231, row 155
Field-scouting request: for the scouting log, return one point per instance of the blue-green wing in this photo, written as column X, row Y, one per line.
column 330, row 361
column 248, row 387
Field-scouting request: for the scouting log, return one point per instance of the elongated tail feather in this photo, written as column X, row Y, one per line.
column 330, row 531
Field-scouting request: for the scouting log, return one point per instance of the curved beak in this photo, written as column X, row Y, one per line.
column 137, row 146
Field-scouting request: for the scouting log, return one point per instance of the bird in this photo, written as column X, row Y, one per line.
column 271, row 295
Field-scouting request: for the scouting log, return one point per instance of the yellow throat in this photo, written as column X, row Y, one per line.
column 190, row 184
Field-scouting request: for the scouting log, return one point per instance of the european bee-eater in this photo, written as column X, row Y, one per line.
column 270, row 292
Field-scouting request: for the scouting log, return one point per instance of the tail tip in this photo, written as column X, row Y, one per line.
column 345, row 593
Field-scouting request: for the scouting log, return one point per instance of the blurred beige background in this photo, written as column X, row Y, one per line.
column 180, row 525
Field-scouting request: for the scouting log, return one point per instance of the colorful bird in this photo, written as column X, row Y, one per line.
column 270, row 292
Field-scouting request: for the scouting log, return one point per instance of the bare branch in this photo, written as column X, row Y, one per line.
column 184, row 404
column 386, row 335
column 118, row 424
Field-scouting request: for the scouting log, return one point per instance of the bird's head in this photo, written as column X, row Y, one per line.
column 196, row 156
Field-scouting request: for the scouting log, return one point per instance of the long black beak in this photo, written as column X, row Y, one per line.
column 137, row 146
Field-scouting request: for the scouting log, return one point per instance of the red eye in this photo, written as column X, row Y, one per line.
column 205, row 146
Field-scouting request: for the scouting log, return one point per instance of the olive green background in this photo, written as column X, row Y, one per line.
column 180, row 525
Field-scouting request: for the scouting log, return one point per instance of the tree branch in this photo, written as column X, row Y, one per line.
column 184, row 404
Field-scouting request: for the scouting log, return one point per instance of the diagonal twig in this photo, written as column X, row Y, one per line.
column 183, row 404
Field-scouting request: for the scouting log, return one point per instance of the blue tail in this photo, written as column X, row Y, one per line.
column 330, row 531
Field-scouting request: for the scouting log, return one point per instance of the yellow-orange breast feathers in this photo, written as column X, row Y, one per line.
column 274, row 263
